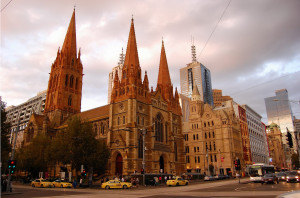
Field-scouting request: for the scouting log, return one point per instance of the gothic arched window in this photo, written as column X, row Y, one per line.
column 76, row 84
column 140, row 147
column 175, row 150
column 166, row 132
column 71, row 81
column 159, row 128
column 66, row 80
column 70, row 100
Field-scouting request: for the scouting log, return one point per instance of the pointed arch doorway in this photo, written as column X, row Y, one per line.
column 119, row 165
column 161, row 164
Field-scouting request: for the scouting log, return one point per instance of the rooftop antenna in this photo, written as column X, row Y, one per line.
column 193, row 49
column 121, row 60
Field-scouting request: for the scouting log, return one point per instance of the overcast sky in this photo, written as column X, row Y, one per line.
column 254, row 51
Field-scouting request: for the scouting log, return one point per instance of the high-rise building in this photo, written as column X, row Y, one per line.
column 219, row 98
column 279, row 111
column 20, row 115
column 257, row 135
column 117, row 69
column 195, row 73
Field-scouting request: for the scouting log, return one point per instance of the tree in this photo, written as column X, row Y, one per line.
column 77, row 145
column 5, row 145
column 34, row 158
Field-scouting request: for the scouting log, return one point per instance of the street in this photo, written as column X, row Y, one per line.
column 228, row 188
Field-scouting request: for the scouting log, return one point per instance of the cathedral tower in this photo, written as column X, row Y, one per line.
column 65, row 81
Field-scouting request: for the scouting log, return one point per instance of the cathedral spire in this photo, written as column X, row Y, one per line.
column 69, row 47
column 196, row 95
column 163, row 74
column 132, row 58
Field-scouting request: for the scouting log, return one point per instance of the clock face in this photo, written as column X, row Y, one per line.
column 208, row 115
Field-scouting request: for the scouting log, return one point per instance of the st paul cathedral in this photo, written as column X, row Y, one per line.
column 133, row 108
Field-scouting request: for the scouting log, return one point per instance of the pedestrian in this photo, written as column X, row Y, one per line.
column 166, row 178
column 137, row 181
column 74, row 183
column 122, row 179
column 80, row 182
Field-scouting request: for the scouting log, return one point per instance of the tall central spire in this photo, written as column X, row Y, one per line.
column 132, row 57
column 69, row 47
column 163, row 74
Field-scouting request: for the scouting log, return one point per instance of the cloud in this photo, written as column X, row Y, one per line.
column 255, row 42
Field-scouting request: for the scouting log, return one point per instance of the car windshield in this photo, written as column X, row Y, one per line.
column 43, row 180
column 293, row 173
column 268, row 175
column 280, row 174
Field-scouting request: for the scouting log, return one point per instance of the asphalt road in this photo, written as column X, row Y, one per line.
column 225, row 188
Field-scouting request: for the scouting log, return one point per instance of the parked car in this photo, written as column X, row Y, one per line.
column 269, row 178
column 42, row 183
column 293, row 176
column 116, row 184
column 61, row 184
column 177, row 181
column 209, row 178
column 281, row 176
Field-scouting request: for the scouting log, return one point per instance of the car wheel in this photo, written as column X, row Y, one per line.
column 125, row 187
column 107, row 187
column 186, row 183
column 42, row 186
column 177, row 184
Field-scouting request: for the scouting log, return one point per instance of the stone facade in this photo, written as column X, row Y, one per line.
column 212, row 138
column 133, row 108
column 219, row 98
column 276, row 148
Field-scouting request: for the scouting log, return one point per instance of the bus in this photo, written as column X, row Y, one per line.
column 257, row 171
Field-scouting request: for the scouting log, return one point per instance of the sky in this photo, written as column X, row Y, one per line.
column 254, row 50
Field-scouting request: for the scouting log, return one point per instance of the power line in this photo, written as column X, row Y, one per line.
column 214, row 29
column 6, row 5
column 254, row 86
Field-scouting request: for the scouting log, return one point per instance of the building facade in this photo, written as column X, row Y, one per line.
column 276, row 149
column 20, row 115
column 257, row 135
column 241, row 114
column 133, row 108
column 212, row 138
column 219, row 98
column 196, row 73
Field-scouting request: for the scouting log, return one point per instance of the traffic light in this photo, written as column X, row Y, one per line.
column 237, row 164
column 12, row 165
column 289, row 139
column 142, row 171
column 83, row 173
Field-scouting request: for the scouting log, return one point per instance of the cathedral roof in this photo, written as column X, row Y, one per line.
column 163, row 74
column 69, row 46
column 131, row 57
column 92, row 114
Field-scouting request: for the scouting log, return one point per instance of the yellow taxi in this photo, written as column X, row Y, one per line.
column 116, row 184
column 61, row 184
column 42, row 183
column 177, row 181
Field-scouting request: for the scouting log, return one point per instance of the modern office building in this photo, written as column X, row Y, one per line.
column 257, row 135
column 111, row 76
column 279, row 111
column 21, row 114
column 195, row 73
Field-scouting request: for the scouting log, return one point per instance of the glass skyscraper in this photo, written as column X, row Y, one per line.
column 196, row 73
